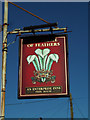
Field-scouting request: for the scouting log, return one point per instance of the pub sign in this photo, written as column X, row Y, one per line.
column 43, row 66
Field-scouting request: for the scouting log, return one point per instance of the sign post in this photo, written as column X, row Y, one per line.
column 4, row 54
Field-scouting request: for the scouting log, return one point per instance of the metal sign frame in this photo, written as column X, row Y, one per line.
column 37, row 39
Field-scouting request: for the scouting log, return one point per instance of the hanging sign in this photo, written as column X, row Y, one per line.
column 43, row 70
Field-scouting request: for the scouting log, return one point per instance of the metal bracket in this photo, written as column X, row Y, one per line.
column 33, row 31
column 4, row 48
column 5, row 24
column 51, row 29
column 39, row 30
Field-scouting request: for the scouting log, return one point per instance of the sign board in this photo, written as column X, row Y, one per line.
column 43, row 68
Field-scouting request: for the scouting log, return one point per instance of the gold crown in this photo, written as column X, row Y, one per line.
column 43, row 73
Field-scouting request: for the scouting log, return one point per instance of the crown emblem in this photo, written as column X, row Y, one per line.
column 42, row 64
